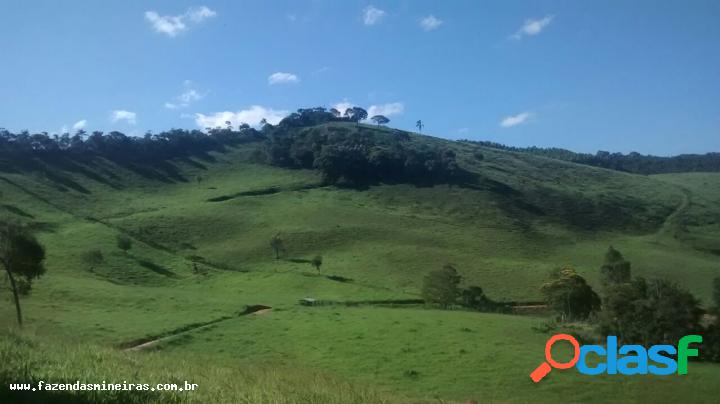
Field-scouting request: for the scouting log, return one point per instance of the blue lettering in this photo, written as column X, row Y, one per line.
column 655, row 356
column 611, row 355
column 582, row 366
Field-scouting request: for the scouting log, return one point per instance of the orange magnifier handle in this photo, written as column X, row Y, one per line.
column 540, row 372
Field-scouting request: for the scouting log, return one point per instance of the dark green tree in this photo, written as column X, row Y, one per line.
column 22, row 256
column 92, row 258
column 441, row 286
column 474, row 297
column 380, row 120
column 124, row 242
column 716, row 293
column 615, row 268
column 649, row 312
column 317, row 262
column 570, row 295
column 277, row 244
column 356, row 114
column 419, row 124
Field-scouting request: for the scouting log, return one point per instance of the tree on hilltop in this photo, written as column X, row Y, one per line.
column 380, row 120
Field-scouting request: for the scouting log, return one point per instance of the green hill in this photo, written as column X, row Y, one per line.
column 201, row 227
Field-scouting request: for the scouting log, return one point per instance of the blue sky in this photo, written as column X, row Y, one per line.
column 603, row 75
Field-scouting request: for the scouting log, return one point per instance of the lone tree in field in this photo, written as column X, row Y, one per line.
column 277, row 244
column 570, row 295
column 419, row 125
column 93, row 258
column 380, row 120
column 124, row 243
column 317, row 262
column 22, row 256
column 441, row 286
column 615, row 269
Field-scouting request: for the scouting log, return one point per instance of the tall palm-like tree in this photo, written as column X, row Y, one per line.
column 22, row 258
column 419, row 125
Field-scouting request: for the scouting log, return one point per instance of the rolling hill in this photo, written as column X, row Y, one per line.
column 201, row 227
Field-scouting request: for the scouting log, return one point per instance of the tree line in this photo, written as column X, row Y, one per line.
column 632, row 162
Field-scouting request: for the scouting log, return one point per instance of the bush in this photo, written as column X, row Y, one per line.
column 124, row 242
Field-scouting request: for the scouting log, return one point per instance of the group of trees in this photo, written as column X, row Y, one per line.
column 637, row 310
column 358, row 157
column 442, row 287
column 320, row 115
column 632, row 162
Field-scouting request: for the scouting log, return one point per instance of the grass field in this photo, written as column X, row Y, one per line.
column 527, row 216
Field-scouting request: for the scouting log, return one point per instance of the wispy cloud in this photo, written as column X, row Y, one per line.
column 188, row 96
column 372, row 15
column 172, row 25
column 122, row 115
column 394, row 108
column 251, row 116
column 80, row 124
column 430, row 23
column 282, row 78
column 532, row 27
column 513, row 120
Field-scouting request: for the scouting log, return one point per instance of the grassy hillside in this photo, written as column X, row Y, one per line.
column 519, row 217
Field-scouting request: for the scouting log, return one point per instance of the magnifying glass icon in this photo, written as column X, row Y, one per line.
column 545, row 367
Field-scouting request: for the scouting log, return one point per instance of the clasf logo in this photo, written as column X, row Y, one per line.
column 635, row 359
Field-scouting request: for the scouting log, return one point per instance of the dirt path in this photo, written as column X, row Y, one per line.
column 670, row 227
column 149, row 342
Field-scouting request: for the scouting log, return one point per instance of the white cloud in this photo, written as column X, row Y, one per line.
column 394, row 108
column 79, row 124
column 185, row 99
column 252, row 116
column 372, row 15
column 122, row 115
column 512, row 120
column 533, row 27
column 199, row 14
column 282, row 78
column 463, row 131
column 430, row 23
column 172, row 25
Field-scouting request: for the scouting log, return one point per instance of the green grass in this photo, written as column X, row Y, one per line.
column 30, row 360
column 525, row 216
